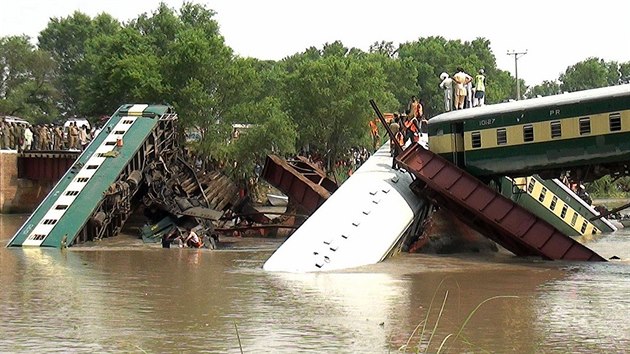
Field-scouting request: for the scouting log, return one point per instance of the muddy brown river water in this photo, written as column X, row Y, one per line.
column 122, row 296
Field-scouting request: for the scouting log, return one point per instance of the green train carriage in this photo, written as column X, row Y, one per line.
column 585, row 132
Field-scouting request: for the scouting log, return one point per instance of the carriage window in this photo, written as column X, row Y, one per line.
column 584, row 224
column 530, row 186
column 585, row 126
column 554, row 201
column 501, row 136
column 556, row 129
column 543, row 193
column 615, row 122
column 528, row 133
column 574, row 218
column 563, row 213
column 476, row 140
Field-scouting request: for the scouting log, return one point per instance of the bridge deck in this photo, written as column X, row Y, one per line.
column 68, row 207
column 493, row 215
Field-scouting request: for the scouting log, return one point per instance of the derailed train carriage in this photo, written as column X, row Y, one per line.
column 586, row 133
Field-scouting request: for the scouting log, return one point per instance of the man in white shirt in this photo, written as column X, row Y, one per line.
column 447, row 86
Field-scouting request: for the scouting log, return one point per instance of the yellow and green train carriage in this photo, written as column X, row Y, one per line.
column 585, row 132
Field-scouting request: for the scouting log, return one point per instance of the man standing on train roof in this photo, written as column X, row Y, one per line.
column 468, row 102
column 374, row 133
column 447, row 86
column 413, row 107
column 420, row 110
column 480, row 86
column 394, row 126
column 398, row 138
column 461, row 79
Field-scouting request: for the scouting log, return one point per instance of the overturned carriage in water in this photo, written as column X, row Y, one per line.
column 135, row 157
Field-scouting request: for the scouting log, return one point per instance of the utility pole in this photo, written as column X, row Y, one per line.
column 516, row 56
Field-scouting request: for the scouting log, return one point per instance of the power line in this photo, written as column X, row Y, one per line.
column 516, row 56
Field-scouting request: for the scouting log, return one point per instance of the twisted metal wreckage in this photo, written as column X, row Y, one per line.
column 183, row 198
column 136, row 162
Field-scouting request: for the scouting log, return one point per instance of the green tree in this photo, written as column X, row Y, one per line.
column 401, row 76
column 160, row 28
column 590, row 73
column 27, row 84
column 122, row 68
column 624, row 73
column 328, row 99
column 274, row 132
column 547, row 88
column 384, row 48
column 66, row 40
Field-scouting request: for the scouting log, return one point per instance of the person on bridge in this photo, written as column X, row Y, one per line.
column 58, row 138
column 28, row 139
column 83, row 137
column 44, row 138
column 73, row 134
column 4, row 136
column 13, row 136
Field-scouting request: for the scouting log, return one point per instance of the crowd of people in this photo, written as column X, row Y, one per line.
column 462, row 90
column 45, row 137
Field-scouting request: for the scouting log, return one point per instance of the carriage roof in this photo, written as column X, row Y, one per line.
column 533, row 103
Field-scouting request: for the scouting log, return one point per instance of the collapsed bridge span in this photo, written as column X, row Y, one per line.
column 93, row 198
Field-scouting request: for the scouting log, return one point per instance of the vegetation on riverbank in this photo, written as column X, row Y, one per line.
column 317, row 98
column 609, row 187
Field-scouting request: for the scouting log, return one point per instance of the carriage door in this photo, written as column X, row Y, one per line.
column 457, row 143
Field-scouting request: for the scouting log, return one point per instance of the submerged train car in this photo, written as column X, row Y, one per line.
column 585, row 132
column 366, row 220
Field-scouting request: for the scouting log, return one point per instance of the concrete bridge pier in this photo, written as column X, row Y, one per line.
column 19, row 195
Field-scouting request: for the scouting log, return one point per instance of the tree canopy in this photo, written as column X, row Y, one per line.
column 316, row 99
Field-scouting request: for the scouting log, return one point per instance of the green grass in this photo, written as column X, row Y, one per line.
column 425, row 339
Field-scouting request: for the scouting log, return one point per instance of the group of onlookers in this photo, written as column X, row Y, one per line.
column 462, row 90
column 47, row 137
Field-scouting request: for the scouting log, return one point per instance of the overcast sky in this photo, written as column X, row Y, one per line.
column 555, row 33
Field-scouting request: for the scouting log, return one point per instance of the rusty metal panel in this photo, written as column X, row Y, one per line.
column 313, row 173
column 493, row 215
column 499, row 208
column 538, row 235
column 44, row 166
column 300, row 189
